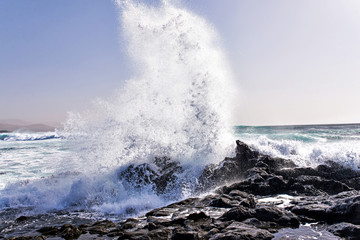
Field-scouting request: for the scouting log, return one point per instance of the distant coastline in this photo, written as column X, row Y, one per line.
column 5, row 127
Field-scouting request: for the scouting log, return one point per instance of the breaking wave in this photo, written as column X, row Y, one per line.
column 177, row 107
column 29, row 136
column 307, row 146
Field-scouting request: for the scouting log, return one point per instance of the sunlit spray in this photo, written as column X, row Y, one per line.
column 176, row 105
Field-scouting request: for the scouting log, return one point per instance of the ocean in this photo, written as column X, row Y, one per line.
column 37, row 170
column 307, row 145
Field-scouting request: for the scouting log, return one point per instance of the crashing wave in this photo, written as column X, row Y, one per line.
column 177, row 106
column 28, row 136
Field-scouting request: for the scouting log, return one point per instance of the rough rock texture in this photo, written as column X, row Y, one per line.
column 331, row 209
column 235, row 210
column 161, row 176
column 347, row 230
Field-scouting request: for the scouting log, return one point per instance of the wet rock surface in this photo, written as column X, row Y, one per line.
column 238, row 209
column 347, row 230
column 161, row 176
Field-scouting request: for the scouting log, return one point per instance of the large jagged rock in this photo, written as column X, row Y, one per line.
column 330, row 170
column 161, row 175
column 232, row 169
column 260, row 174
column 265, row 213
column 254, row 173
column 346, row 230
column 238, row 230
column 168, row 174
column 343, row 207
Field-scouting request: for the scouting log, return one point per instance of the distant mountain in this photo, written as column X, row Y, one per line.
column 32, row 127
column 14, row 122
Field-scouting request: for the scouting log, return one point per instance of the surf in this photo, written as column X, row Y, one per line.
column 176, row 106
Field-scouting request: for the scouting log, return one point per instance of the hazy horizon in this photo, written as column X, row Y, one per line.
column 295, row 63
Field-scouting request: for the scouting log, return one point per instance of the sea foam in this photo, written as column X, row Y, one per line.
column 309, row 154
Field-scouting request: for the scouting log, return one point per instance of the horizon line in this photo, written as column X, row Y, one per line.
column 299, row 125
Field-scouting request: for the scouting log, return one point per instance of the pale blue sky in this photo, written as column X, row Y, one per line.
column 296, row 62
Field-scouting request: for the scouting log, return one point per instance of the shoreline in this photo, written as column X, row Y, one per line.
column 328, row 195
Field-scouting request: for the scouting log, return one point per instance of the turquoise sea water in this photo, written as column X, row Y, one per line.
column 303, row 133
column 307, row 145
column 27, row 156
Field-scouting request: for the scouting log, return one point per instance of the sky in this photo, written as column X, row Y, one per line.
column 295, row 62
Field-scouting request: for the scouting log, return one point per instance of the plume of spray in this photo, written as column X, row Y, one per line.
column 176, row 105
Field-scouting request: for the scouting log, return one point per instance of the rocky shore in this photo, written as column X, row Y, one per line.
column 255, row 197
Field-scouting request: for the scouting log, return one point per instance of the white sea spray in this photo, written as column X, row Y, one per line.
column 177, row 104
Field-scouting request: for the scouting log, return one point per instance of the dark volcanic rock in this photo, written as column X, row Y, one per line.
column 49, row 230
column 198, row 216
column 229, row 169
column 337, row 208
column 353, row 182
column 256, row 170
column 161, row 234
column 270, row 226
column 265, row 213
column 336, row 171
column 167, row 178
column 331, row 171
column 70, row 232
column 161, row 175
column 233, row 199
column 238, row 230
column 29, row 238
column 346, row 230
column 316, row 211
column 182, row 234
column 262, row 187
column 348, row 211
column 329, row 186
column 275, row 164
column 23, row 219
column 137, row 177
column 101, row 228
column 238, row 214
column 277, row 215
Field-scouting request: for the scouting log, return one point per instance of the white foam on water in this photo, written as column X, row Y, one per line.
column 310, row 154
column 27, row 136
column 32, row 159
column 280, row 200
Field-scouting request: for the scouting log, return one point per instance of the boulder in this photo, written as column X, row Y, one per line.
column 278, row 215
column 337, row 208
column 238, row 230
column 346, row 230
column 238, row 214
column 69, row 232
column 161, row 175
